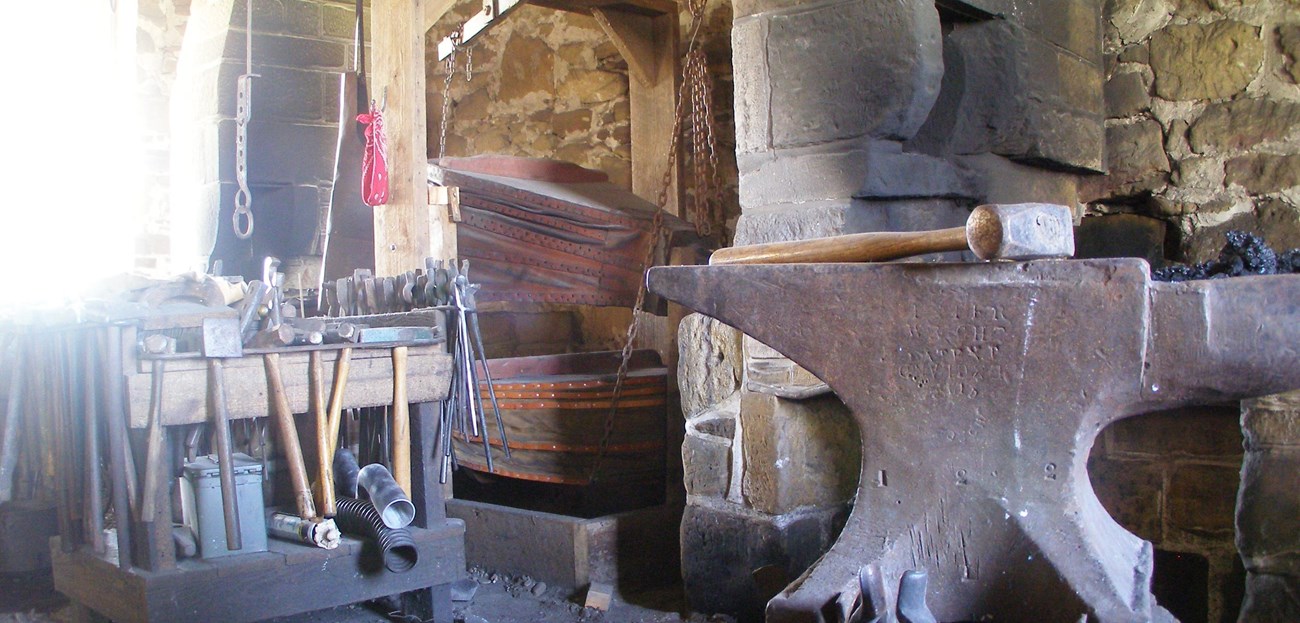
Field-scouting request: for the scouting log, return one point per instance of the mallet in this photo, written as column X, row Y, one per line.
column 1021, row 231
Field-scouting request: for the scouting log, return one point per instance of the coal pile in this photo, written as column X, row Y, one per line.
column 1244, row 254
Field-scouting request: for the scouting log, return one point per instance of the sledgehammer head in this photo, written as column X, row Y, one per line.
column 1020, row 231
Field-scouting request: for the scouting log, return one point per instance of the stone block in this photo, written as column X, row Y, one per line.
column 1121, row 235
column 707, row 458
column 592, row 86
column 1126, row 94
column 1262, row 174
column 723, row 545
column 1271, row 597
column 1272, row 422
column 827, row 64
column 880, row 171
column 797, row 453
column 1274, row 219
column 1012, row 93
column 527, row 66
column 1227, row 127
column 1135, row 155
column 1201, row 500
column 281, row 153
column 1131, row 492
column 753, row 90
column 1288, row 39
column 899, row 175
column 769, row 372
column 1135, row 54
column 296, row 17
column 709, row 362
column 1202, row 432
column 1007, row 181
column 294, row 95
column 1205, row 61
column 821, row 219
column 1199, row 174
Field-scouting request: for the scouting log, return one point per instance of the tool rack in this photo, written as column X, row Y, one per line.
column 288, row 578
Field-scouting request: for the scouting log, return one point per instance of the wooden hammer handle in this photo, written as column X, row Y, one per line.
column 401, row 422
column 283, row 416
column 869, row 247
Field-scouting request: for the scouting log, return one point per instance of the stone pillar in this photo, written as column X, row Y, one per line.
column 1268, row 508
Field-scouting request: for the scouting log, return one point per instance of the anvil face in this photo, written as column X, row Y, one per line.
column 978, row 390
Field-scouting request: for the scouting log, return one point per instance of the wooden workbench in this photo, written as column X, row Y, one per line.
column 289, row 578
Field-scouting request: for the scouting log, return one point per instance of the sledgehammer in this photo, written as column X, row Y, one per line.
column 1022, row 231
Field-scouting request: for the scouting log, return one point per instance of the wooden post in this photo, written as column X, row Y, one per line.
column 406, row 230
column 649, row 44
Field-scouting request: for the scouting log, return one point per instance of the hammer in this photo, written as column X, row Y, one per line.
column 221, row 340
column 1022, row 231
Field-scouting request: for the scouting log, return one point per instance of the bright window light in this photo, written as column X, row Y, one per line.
column 73, row 166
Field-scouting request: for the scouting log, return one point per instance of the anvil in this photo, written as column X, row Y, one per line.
column 978, row 390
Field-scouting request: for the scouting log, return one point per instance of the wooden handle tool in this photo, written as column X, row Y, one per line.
column 997, row 231
column 288, row 434
column 401, row 423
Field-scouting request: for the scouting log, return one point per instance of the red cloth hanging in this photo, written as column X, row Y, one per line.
column 374, row 164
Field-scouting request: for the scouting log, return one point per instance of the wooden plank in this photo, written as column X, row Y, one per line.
column 633, row 35
column 434, row 10
column 653, row 107
column 634, row 549
column 406, row 230
column 251, row 590
column 370, row 384
column 547, row 547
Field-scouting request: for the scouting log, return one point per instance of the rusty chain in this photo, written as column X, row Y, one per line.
column 446, row 90
column 697, row 88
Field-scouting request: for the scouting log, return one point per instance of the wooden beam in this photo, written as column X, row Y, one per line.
column 633, row 35
column 406, row 230
column 434, row 10
column 650, row 46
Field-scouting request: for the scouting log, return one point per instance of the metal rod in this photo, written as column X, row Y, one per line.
column 13, row 412
column 487, row 375
column 116, row 421
column 93, row 471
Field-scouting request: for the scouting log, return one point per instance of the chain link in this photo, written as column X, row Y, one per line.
column 446, row 92
column 242, row 219
column 697, row 88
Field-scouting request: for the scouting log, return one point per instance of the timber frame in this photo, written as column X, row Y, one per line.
column 410, row 227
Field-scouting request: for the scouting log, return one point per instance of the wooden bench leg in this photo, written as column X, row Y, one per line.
column 429, row 604
column 80, row 613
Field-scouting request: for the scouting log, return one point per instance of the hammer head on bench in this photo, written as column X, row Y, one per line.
column 221, row 338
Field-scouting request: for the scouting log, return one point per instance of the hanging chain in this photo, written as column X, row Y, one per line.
column 446, row 92
column 700, row 113
column 243, row 217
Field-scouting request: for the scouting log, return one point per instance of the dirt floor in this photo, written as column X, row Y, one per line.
column 497, row 599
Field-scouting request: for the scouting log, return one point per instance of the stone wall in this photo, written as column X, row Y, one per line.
column 549, row 84
column 1203, row 119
